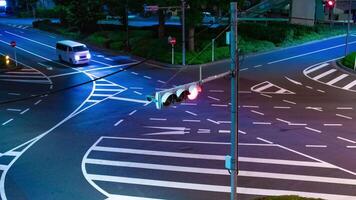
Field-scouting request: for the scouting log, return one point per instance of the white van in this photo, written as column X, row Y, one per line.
column 72, row 52
column 3, row 6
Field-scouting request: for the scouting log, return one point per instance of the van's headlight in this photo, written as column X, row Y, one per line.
column 77, row 57
column 2, row 3
column 88, row 56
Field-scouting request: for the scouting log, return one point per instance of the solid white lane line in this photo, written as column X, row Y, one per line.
column 324, row 74
column 191, row 120
column 332, row 124
column 316, row 68
column 23, row 112
column 264, row 140
column 158, row 119
column 282, row 107
column 213, row 98
column 337, row 79
column 13, row 110
column 344, row 108
column 293, row 81
column 350, row 85
column 37, row 102
column 118, row 122
column 284, row 121
column 256, row 112
column 343, row 116
column 315, row 146
column 290, row 102
column 312, row 129
column 133, row 112
column 194, row 114
column 8, row 121
column 347, row 140
column 210, row 120
column 262, row 123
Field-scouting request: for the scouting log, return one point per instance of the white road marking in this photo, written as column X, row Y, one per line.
column 242, row 132
column 290, row 102
column 224, row 131
column 316, row 68
column 129, row 100
column 337, row 79
column 324, row 74
column 332, row 124
column 110, row 59
column 281, row 107
column 312, row 129
column 8, row 121
column 257, row 66
column 350, row 85
column 344, row 108
column 216, row 91
column 23, row 112
column 244, row 69
column 293, row 81
column 109, row 90
column 315, row 146
column 297, row 124
column 351, row 147
column 309, row 87
column 210, row 120
column 219, row 105
column 161, row 81
column 314, row 108
column 264, row 140
column 194, row 114
column 265, row 95
column 264, row 87
column 46, row 66
column 139, row 93
column 262, row 123
column 148, row 77
column 248, row 106
column 133, row 112
column 347, row 140
column 102, row 95
column 256, row 112
column 213, row 98
column 13, row 110
column 224, row 122
column 134, row 73
column 191, row 120
column 244, row 92
column 322, row 91
column 37, row 102
column 343, row 116
column 282, row 120
column 203, row 131
column 158, row 119
column 136, row 88
column 188, row 104
column 14, row 94
column 118, row 122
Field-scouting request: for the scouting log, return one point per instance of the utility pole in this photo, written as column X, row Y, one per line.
column 127, row 25
column 183, row 32
column 348, row 29
column 234, row 67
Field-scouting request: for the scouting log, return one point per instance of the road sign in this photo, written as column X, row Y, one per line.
column 13, row 43
column 172, row 40
column 152, row 8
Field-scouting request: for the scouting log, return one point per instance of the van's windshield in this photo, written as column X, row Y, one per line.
column 80, row 48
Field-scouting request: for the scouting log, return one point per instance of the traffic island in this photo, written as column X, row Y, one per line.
column 348, row 62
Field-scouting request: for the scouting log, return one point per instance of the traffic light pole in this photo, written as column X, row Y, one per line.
column 183, row 32
column 348, row 29
column 234, row 118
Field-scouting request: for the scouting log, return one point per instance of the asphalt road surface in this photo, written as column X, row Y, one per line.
column 103, row 140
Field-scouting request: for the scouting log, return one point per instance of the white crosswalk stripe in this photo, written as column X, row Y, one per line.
column 25, row 75
column 120, row 165
column 269, row 88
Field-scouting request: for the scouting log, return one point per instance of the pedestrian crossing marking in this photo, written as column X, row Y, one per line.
column 269, row 88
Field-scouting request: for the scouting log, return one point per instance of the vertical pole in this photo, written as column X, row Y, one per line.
column 200, row 74
column 127, row 26
column 15, row 56
column 234, row 81
column 348, row 30
column 183, row 32
column 172, row 54
column 213, row 50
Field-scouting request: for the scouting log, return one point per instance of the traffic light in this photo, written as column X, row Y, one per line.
column 7, row 60
column 176, row 95
column 330, row 4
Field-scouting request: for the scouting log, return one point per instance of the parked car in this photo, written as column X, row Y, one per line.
column 72, row 52
column 208, row 18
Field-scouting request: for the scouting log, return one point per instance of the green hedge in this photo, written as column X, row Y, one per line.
column 349, row 60
column 41, row 13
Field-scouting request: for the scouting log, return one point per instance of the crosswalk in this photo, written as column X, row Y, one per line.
column 328, row 75
column 142, row 168
column 25, row 75
column 19, row 26
column 270, row 88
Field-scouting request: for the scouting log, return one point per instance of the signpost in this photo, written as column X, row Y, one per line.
column 172, row 41
column 13, row 44
column 153, row 8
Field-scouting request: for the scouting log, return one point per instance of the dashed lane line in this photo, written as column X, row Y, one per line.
column 216, row 91
column 347, row 140
column 159, row 81
column 321, row 91
column 264, row 140
column 8, row 121
column 312, row 129
column 293, row 81
column 219, row 105
column 133, row 112
column 191, row 120
column 332, row 125
column 315, row 146
column 290, row 102
column 191, row 113
column 224, row 131
column 14, row 94
column 262, row 123
column 281, row 107
column 344, row 108
column 158, row 119
column 343, row 116
column 213, row 98
column 139, row 93
column 147, row 77
column 215, row 122
column 282, row 120
column 13, row 110
column 134, row 73
column 257, row 66
column 118, row 122
column 266, row 95
column 256, row 112
column 242, row 132
column 37, row 102
column 248, row 106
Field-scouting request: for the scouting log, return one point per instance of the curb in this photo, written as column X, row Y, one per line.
column 342, row 67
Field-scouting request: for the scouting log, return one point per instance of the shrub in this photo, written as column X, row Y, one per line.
column 349, row 60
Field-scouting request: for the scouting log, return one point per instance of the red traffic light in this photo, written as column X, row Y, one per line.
column 330, row 3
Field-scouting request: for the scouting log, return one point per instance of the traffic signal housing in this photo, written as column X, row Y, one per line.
column 178, row 94
column 330, row 4
column 7, row 60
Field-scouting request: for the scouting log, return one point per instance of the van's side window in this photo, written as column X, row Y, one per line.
column 70, row 49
